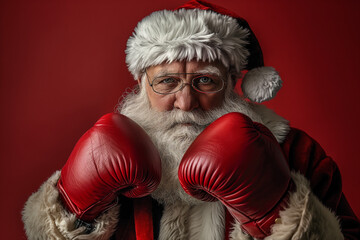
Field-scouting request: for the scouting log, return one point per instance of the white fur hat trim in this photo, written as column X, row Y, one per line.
column 166, row 36
column 261, row 84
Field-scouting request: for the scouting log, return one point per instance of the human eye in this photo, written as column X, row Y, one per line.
column 168, row 80
column 206, row 83
column 166, row 84
column 204, row 80
column 165, row 81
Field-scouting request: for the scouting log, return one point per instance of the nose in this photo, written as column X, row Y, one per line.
column 186, row 99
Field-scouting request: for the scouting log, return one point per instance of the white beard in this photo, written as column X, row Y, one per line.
column 172, row 135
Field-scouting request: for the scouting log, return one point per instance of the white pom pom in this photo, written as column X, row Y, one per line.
column 261, row 84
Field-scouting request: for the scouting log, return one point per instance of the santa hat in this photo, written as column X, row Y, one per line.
column 202, row 31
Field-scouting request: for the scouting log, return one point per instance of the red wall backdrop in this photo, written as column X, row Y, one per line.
column 62, row 67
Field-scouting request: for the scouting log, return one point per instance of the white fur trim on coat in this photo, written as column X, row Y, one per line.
column 305, row 218
column 278, row 125
column 205, row 221
column 45, row 217
column 186, row 34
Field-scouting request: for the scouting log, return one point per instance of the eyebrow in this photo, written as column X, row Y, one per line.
column 210, row 70
column 207, row 70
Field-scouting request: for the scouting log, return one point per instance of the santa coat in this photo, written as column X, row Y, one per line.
column 317, row 209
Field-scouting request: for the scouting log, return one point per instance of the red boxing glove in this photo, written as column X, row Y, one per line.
column 114, row 156
column 240, row 163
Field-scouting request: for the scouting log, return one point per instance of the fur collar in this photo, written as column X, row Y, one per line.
column 278, row 125
column 205, row 221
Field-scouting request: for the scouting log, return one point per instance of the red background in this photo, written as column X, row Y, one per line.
column 62, row 67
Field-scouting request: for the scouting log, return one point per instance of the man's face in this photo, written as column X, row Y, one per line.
column 187, row 99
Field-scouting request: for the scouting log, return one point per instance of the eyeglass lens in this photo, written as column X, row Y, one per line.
column 173, row 83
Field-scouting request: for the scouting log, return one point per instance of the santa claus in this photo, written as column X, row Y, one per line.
column 185, row 157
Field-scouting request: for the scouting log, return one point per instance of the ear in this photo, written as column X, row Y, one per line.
column 139, row 82
column 234, row 76
column 140, row 78
column 234, row 80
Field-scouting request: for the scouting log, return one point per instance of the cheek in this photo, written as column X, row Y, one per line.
column 211, row 101
column 160, row 102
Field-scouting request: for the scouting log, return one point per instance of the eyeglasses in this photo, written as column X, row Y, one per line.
column 172, row 83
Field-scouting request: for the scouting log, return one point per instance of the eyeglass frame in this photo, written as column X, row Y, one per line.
column 183, row 84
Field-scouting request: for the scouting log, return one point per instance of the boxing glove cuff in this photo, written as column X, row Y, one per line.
column 89, row 214
column 262, row 227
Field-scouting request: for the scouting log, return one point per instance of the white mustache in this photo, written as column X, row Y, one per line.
column 197, row 118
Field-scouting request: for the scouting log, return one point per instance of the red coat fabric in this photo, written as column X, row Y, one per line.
column 139, row 218
column 307, row 156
